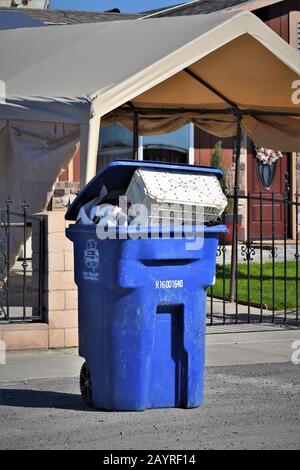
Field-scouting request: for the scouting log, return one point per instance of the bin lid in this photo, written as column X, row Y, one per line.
column 117, row 176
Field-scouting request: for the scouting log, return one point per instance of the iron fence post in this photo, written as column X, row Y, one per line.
column 8, row 203
column 24, row 263
column 297, row 256
column 235, row 212
column 285, row 207
column 273, row 259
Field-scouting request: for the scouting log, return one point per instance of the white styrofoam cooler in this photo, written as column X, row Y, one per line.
column 179, row 192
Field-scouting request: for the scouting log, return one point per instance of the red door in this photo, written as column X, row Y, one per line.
column 267, row 180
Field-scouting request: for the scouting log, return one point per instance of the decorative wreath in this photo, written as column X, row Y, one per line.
column 267, row 156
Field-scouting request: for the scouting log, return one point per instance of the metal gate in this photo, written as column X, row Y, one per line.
column 264, row 287
column 266, row 279
column 21, row 277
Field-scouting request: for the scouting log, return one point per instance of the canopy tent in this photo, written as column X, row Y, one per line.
column 78, row 74
column 221, row 71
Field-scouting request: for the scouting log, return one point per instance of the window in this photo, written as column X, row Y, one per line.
column 116, row 143
column 172, row 147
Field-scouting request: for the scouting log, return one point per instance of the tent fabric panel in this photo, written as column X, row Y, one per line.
column 280, row 133
column 243, row 70
column 250, row 75
column 107, row 54
column 276, row 132
column 221, row 126
column 225, row 65
column 180, row 91
column 169, row 65
column 47, row 110
column 139, row 56
column 32, row 157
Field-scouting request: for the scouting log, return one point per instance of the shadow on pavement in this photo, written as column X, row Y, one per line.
column 42, row 399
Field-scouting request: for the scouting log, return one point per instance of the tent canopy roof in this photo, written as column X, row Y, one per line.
column 71, row 73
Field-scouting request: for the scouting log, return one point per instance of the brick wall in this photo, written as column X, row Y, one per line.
column 60, row 326
column 64, row 193
column 23, row 336
column 60, row 288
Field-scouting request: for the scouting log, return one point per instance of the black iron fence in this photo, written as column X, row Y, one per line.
column 262, row 285
column 21, row 272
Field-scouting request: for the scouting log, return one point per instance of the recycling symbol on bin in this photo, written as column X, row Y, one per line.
column 91, row 255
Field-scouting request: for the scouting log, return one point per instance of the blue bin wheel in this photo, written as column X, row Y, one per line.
column 86, row 385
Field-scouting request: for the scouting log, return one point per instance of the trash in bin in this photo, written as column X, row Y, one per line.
column 142, row 303
column 178, row 191
column 103, row 209
column 83, row 216
column 164, row 193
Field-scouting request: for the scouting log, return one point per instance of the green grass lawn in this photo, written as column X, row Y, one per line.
column 255, row 283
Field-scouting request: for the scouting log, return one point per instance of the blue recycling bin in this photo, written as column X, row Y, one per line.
column 142, row 307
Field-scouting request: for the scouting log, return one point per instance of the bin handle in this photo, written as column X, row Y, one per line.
column 168, row 262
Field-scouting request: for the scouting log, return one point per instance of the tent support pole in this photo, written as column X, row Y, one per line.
column 227, row 111
column 89, row 141
column 135, row 136
column 235, row 212
column 135, row 146
column 200, row 80
column 238, row 113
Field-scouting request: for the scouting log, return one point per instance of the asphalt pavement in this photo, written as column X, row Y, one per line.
column 251, row 402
